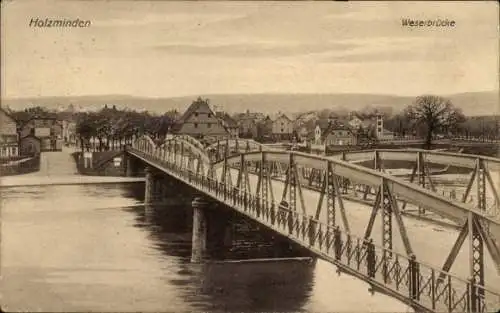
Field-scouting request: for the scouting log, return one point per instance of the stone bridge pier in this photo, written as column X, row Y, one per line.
column 133, row 167
column 218, row 232
column 161, row 189
column 221, row 234
column 212, row 230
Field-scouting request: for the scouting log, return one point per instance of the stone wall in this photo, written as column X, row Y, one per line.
column 103, row 163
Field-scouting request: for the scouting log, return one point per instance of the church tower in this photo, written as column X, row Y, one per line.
column 380, row 126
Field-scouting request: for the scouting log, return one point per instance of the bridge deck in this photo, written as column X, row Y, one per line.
column 431, row 243
column 426, row 250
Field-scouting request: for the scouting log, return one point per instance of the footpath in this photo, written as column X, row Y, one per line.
column 59, row 168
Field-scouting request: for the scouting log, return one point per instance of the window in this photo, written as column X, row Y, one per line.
column 282, row 130
column 196, row 114
column 196, row 124
column 282, row 124
column 209, row 125
column 209, row 115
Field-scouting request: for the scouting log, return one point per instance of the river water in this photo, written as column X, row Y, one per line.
column 95, row 248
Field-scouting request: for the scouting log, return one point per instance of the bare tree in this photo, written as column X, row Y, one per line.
column 435, row 113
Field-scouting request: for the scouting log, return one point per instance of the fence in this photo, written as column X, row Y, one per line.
column 404, row 277
column 22, row 167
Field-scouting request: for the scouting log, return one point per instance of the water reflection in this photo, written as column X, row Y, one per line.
column 95, row 248
column 283, row 286
column 259, row 286
column 168, row 228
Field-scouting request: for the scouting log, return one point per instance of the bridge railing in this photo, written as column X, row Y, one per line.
column 403, row 276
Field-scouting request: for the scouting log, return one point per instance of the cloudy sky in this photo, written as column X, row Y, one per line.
column 166, row 49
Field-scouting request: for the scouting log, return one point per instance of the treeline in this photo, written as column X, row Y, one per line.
column 413, row 120
column 481, row 127
column 110, row 125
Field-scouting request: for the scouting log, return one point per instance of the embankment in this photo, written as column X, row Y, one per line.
column 20, row 165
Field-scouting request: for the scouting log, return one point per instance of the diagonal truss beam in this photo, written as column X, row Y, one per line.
column 450, row 209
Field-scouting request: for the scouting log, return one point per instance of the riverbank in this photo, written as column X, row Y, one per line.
column 101, row 164
column 20, row 166
column 19, row 181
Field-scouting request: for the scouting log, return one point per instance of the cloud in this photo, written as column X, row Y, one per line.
column 400, row 49
column 175, row 18
column 255, row 49
column 171, row 47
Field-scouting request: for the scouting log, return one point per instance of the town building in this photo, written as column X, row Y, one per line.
column 46, row 127
column 332, row 132
column 321, row 127
column 248, row 128
column 9, row 139
column 256, row 116
column 282, row 128
column 229, row 124
column 302, row 134
column 248, row 123
column 355, row 122
column 200, row 121
column 382, row 133
column 30, row 145
column 338, row 134
column 265, row 130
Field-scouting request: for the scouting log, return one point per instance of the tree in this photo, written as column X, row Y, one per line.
column 103, row 128
column 435, row 113
column 85, row 128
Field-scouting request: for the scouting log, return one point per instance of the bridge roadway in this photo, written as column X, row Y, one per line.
column 59, row 168
column 421, row 172
column 481, row 168
column 427, row 252
column 432, row 251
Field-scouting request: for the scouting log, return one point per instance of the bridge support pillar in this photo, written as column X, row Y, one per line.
column 199, row 239
column 129, row 167
column 152, row 190
column 168, row 189
column 220, row 233
column 148, row 192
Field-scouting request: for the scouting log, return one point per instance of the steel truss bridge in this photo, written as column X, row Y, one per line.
column 312, row 201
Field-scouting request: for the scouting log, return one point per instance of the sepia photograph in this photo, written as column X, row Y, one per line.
column 249, row 156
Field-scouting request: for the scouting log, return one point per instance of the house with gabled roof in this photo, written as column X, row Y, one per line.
column 339, row 134
column 229, row 124
column 355, row 122
column 44, row 126
column 332, row 132
column 248, row 123
column 9, row 139
column 200, row 121
column 282, row 128
column 321, row 126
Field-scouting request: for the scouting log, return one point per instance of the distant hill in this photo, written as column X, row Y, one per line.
column 473, row 103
